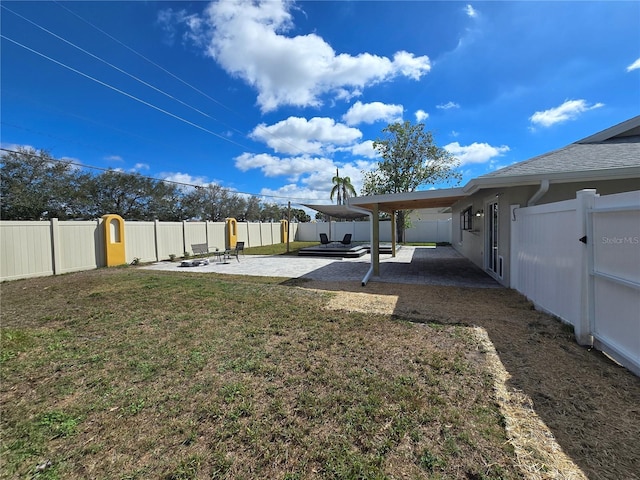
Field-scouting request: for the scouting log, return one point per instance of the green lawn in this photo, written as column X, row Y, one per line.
column 126, row 373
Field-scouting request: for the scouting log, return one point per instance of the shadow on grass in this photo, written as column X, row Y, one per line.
column 587, row 402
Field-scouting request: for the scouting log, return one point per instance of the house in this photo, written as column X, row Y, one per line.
column 608, row 161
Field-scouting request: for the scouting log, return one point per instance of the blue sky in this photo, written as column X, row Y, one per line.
column 270, row 97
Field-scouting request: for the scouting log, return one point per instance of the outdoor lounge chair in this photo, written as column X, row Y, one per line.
column 324, row 240
column 346, row 240
column 235, row 252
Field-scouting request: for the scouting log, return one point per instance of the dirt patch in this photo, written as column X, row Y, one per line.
column 570, row 412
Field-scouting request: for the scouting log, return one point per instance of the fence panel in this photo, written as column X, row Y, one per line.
column 25, row 250
column 429, row 231
column 140, row 241
column 81, row 246
column 254, row 235
column 194, row 233
column 545, row 258
column 614, row 238
column 216, row 235
column 170, row 239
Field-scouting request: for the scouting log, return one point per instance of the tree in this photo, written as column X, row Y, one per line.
column 36, row 186
column 410, row 159
column 299, row 215
column 133, row 197
column 343, row 188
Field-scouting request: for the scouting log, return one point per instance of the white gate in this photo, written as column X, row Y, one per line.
column 613, row 241
column 593, row 285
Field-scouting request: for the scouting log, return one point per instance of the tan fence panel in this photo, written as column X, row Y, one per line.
column 25, row 250
column 216, row 235
column 140, row 241
column 81, row 246
column 254, row 235
column 194, row 233
column 267, row 235
column 170, row 239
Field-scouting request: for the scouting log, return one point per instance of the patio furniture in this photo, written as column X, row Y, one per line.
column 346, row 240
column 235, row 252
column 200, row 248
column 324, row 239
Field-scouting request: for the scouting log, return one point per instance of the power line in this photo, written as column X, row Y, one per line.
column 174, row 182
column 260, row 127
column 109, row 64
column 122, row 92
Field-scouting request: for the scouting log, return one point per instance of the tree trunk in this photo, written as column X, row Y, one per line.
column 400, row 226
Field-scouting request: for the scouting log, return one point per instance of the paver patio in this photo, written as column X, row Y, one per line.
column 411, row 265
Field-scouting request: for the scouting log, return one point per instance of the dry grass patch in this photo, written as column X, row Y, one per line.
column 569, row 412
column 133, row 374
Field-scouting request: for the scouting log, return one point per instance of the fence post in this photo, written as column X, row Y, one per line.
column 55, row 246
column 582, row 328
column 156, row 227
column 515, row 247
column 184, row 236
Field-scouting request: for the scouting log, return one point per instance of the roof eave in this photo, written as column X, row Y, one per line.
column 559, row 177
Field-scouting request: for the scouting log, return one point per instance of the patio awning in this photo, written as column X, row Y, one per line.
column 336, row 211
column 440, row 198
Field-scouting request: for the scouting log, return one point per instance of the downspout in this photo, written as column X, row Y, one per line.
column 544, row 188
column 367, row 275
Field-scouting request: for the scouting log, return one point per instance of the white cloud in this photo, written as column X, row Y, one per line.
column 421, row 115
column 364, row 149
column 184, row 178
column 372, row 112
column 448, row 106
column 196, row 27
column 316, row 186
column 470, row 11
column 291, row 167
column 634, row 66
column 475, row 153
column 141, row 166
column 569, row 110
column 297, row 135
column 114, row 158
column 249, row 41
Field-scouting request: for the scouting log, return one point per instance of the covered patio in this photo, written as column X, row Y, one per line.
column 372, row 205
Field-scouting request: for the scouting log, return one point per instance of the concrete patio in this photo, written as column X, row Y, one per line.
column 412, row 265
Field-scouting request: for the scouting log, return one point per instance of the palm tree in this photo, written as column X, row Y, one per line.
column 343, row 188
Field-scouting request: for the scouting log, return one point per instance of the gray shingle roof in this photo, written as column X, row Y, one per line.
column 577, row 157
column 615, row 147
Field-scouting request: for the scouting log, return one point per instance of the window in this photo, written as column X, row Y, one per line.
column 466, row 219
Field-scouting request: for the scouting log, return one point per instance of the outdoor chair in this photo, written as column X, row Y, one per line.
column 324, row 240
column 346, row 240
column 235, row 252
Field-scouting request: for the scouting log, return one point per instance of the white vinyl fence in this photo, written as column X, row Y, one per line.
column 420, row 231
column 580, row 261
column 36, row 249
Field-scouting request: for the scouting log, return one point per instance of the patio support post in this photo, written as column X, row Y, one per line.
column 375, row 241
column 393, row 233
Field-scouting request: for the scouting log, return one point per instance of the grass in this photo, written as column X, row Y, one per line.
column 279, row 248
column 131, row 374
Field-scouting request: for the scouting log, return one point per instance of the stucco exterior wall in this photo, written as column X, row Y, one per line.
column 472, row 244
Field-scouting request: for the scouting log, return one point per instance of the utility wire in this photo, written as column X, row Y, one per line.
column 110, row 64
column 260, row 127
column 122, row 92
column 174, row 182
